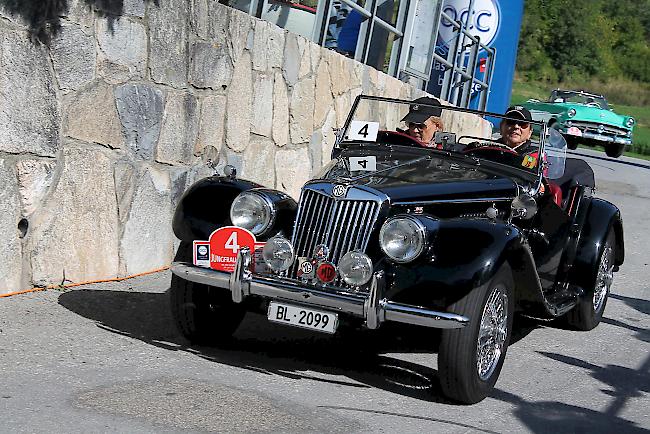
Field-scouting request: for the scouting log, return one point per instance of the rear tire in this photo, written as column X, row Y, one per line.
column 614, row 150
column 589, row 311
column 469, row 366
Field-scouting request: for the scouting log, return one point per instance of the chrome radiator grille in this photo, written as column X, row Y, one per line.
column 593, row 127
column 343, row 225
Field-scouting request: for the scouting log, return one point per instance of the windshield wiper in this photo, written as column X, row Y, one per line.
column 406, row 163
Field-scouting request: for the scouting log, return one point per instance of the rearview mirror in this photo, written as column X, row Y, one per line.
column 444, row 138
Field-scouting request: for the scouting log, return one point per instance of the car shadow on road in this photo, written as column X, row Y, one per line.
column 621, row 383
column 258, row 345
column 643, row 306
column 273, row 349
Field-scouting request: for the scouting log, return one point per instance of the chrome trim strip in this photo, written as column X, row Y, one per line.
column 434, row 201
column 374, row 310
column 424, row 317
column 355, row 192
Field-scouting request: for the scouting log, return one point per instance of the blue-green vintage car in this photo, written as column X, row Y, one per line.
column 584, row 117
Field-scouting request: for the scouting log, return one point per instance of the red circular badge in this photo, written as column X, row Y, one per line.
column 225, row 244
column 326, row 272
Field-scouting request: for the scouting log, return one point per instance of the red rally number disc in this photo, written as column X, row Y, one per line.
column 225, row 244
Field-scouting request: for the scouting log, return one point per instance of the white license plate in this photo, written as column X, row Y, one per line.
column 304, row 317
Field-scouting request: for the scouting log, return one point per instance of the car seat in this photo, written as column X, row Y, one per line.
column 576, row 173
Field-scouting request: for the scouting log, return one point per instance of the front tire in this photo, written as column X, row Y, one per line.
column 614, row 150
column 203, row 314
column 571, row 143
column 589, row 311
column 470, row 359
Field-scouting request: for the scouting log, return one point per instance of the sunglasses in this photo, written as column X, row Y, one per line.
column 522, row 124
column 418, row 125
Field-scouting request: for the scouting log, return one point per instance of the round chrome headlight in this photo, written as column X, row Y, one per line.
column 630, row 122
column 278, row 254
column 571, row 113
column 402, row 238
column 355, row 268
column 252, row 211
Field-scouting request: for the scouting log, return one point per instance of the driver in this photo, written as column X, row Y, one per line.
column 516, row 131
column 424, row 121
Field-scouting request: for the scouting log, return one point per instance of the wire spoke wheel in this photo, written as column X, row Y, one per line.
column 590, row 309
column 493, row 333
column 604, row 278
column 470, row 359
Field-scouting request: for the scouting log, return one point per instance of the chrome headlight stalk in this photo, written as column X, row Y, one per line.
column 278, row 254
column 403, row 238
column 253, row 210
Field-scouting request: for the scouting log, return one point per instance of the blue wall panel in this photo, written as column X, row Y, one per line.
column 497, row 23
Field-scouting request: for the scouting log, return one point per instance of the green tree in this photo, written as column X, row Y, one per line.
column 572, row 40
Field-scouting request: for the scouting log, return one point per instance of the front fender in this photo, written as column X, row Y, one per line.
column 464, row 255
column 205, row 207
column 602, row 217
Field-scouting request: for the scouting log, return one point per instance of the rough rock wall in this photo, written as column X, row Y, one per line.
column 103, row 130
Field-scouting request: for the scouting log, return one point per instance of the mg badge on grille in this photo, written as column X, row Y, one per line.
column 340, row 190
column 321, row 252
column 306, row 269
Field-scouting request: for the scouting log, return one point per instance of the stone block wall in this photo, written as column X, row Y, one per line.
column 102, row 130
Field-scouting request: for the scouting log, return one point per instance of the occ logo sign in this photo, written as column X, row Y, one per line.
column 483, row 22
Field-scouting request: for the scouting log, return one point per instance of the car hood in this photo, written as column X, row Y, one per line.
column 593, row 114
column 439, row 179
column 587, row 114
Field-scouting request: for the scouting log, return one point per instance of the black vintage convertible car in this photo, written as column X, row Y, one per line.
column 460, row 235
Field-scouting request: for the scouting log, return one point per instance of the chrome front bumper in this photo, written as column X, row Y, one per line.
column 374, row 308
column 606, row 139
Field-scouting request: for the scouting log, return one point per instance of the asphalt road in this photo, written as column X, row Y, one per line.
column 106, row 358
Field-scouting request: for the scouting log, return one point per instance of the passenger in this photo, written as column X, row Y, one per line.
column 424, row 121
column 516, row 132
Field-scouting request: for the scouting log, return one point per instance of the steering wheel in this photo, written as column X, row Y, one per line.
column 397, row 138
column 492, row 147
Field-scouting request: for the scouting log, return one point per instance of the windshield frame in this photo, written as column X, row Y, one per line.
column 565, row 94
column 535, row 178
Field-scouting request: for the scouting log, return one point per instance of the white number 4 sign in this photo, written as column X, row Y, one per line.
column 363, row 164
column 231, row 244
column 364, row 131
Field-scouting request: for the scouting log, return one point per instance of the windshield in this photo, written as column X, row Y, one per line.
column 512, row 144
column 555, row 153
column 562, row 96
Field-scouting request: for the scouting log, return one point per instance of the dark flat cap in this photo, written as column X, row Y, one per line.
column 418, row 112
